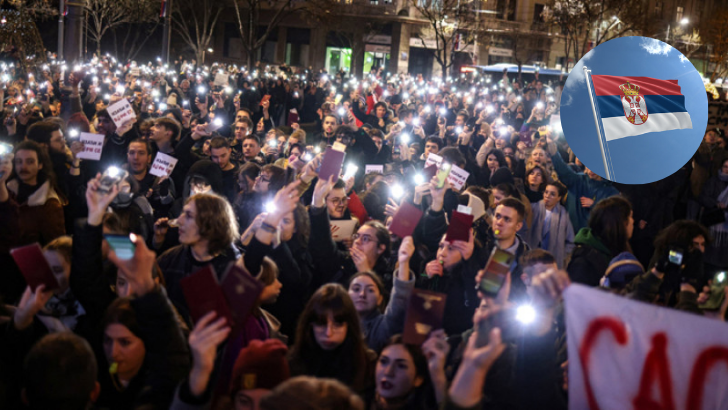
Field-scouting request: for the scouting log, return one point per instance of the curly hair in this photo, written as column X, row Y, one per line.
column 215, row 220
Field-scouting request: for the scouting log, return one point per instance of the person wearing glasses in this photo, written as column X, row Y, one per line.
column 369, row 251
column 551, row 229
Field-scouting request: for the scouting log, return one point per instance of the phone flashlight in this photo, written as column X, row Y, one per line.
column 397, row 191
column 427, row 108
column 419, row 179
column 229, row 90
column 416, row 122
column 307, row 157
column 186, row 103
column 405, row 138
column 351, row 170
column 270, row 207
column 443, row 111
column 73, row 133
column 217, row 122
column 317, row 150
column 162, row 107
column 341, row 112
column 200, row 90
column 539, row 105
column 273, row 143
column 120, row 89
column 526, row 314
column 459, row 130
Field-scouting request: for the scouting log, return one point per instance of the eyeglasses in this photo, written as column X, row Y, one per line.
column 365, row 239
column 339, row 201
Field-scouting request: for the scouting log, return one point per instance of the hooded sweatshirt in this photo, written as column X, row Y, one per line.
column 590, row 258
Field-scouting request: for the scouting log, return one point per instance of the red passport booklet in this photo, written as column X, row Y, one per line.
column 331, row 164
column 241, row 292
column 203, row 294
column 424, row 315
column 34, row 266
column 405, row 220
column 459, row 229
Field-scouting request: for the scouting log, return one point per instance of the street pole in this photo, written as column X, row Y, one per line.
column 667, row 35
column 61, row 9
column 73, row 33
column 167, row 34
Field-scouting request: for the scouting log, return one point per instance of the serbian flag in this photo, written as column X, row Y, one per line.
column 637, row 105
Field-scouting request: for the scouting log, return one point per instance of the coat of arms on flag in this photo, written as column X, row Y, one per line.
column 634, row 105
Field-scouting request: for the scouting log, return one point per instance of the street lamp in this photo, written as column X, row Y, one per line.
column 683, row 22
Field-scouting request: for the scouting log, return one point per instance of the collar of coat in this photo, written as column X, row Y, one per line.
column 40, row 196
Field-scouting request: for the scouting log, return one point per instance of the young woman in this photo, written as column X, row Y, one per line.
column 536, row 180
column 145, row 356
column 409, row 376
column 366, row 290
column 610, row 228
column 329, row 341
column 494, row 159
column 551, row 229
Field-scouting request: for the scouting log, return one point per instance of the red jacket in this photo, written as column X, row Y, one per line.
column 40, row 217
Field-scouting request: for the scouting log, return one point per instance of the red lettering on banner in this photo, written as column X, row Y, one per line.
column 657, row 366
column 590, row 336
column 701, row 368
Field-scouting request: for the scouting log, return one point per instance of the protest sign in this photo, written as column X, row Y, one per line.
column 163, row 165
column 457, row 177
column 221, row 80
column 433, row 159
column 625, row 354
column 121, row 112
column 341, row 230
column 374, row 168
column 93, row 145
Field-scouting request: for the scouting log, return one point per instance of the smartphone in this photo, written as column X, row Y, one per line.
column 496, row 269
column 675, row 256
column 442, row 174
column 111, row 176
column 720, row 280
column 264, row 99
column 121, row 245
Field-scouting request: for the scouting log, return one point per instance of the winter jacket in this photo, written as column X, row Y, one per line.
column 580, row 185
column 41, row 216
column 380, row 327
column 590, row 259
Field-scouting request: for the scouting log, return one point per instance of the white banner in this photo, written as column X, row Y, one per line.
column 625, row 354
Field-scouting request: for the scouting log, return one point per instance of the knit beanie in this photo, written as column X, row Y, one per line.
column 261, row 365
column 622, row 269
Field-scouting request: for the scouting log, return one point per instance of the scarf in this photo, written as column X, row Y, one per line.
column 560, row 231
column 61, row 313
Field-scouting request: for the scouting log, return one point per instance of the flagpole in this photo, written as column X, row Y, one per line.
column 602, row 139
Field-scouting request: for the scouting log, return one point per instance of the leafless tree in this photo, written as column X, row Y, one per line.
column 195, row 21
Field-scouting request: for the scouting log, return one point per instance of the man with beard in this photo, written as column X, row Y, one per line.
column 327, row 135
column 220, row 154
column 241, row 129
column 33, row 187
column 49, row 135
column 157, row 190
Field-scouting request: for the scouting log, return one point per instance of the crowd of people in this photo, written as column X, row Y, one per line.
column 326, row 330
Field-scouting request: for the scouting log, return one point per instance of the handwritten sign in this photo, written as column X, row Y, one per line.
column 374, row 168
column 625, row 354
column 221, row 80
column 93, row 145
column 136, row 72
column 457, row 177
column 433, row 159
column 163, row 165
column 121, row 112
column 341, row 230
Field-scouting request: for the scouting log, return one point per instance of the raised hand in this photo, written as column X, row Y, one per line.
column 97, row 201
column 30, row 304
column 138, row 270
column 321, row 190
column 465, row 248
column 434, row 268
column 204, row 340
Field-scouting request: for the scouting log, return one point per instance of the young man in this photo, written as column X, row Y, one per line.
column 330, row 123
column 157, row 191
column 241, row 129
column 220, row 154
column 507, row 221
column 251, row 149
column 49, row 135
column 33, row 186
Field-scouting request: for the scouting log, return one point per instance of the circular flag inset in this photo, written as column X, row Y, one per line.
column 634, row 110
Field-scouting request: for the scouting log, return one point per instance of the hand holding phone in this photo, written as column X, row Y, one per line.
column 493, row 277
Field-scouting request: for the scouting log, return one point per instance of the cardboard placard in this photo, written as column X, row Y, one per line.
column 221, row 80
column 341, row 230
column 457, row 177
column 93, row 146
column 121, row 112
column 163, row 165
column 136, row 72
column 425, row 314
column 374, row 168
column 405, row 220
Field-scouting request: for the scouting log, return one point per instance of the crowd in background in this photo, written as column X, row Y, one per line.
column 326, row 330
